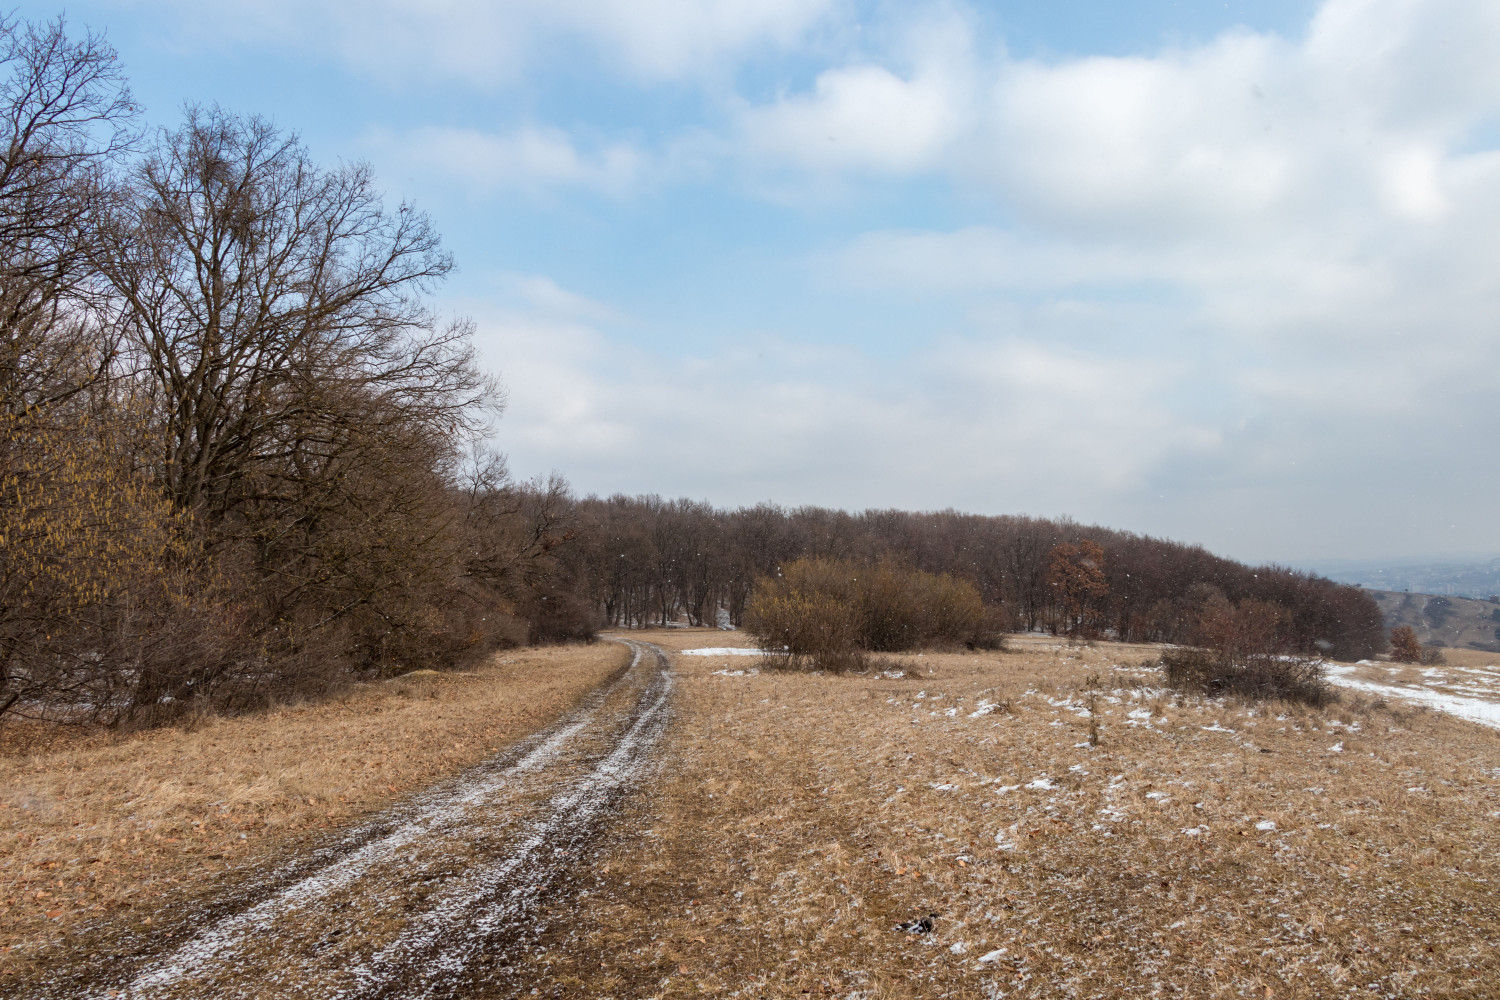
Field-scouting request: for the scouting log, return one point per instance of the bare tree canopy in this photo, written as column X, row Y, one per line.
column 276, row 313
column 67, row 115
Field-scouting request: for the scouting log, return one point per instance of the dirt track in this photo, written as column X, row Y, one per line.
column 432, row 899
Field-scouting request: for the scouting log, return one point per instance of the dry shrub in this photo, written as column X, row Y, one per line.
column 1405, row 647
column 1242, row 648
column 1259, row 676
column 827, row 613
column 107, row 602
column 802, row 630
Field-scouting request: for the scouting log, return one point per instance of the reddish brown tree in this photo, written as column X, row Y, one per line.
column 1075, row 574
column 1405, row 647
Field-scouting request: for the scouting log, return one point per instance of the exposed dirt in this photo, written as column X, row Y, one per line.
column 433, row 898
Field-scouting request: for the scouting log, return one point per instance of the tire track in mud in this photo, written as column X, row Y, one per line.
column 432, row 898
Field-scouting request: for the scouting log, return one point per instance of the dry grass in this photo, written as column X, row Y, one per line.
column 1466, row 673
column 799, row 817
column 97, row 824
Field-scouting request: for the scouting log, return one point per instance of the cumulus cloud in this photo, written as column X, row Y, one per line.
column 1218, row 290
column 1287, row 239
column 485, row 42
column 528, row 157
column 861, row 118
column 873, row 117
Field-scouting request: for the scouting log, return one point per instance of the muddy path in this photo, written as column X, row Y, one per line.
column 434, row 898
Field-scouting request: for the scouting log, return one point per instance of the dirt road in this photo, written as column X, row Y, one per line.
column 432, row 899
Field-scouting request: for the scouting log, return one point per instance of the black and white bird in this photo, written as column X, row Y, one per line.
column 922, row 925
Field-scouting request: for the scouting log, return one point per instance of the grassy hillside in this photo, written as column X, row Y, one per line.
column 1458, row 622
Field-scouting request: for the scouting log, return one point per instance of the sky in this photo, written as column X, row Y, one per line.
column 1220, row 272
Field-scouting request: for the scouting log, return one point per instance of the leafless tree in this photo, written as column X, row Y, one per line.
column 67, row 115
column 277, row 313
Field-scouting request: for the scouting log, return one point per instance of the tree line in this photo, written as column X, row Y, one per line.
column 638, row 561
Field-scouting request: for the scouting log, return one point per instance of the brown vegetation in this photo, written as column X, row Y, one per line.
column 236, row 440
column 1405, row 648
column 241, row 453
column 645, row 561
column 1242, row 648
column 828, row 613
column 1075, row 573
column 98, row 826
column 799, row 817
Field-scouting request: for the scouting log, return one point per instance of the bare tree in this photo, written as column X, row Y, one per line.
column 66, row 115
column 273, row 310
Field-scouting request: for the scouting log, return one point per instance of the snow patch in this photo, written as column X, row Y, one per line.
column 1486, row 713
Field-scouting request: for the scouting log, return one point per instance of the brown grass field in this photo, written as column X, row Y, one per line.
column 98, row 824
column 1203, row 848
column 798, row 818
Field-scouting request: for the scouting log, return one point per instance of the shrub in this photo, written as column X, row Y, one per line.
column 1241, row 649
column 827, row 614
column 799, row 630
column 1404, row 645
column 1256, row 675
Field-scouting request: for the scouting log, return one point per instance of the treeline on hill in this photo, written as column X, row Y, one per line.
column 645, row 560
column 236, row 441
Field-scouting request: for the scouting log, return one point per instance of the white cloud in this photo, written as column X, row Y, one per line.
column 986, row 424
column 1222, row 288
column 484, row 42
column 873, row 118
column 860, row 118
column 529, row 157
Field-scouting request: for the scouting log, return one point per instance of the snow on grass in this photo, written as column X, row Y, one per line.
column 1486, row 713
column 721, row 651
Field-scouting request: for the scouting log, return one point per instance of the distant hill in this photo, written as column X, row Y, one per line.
column 1440, row 620
column 1473, row 579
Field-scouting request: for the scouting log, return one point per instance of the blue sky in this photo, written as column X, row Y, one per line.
column 1222, row 272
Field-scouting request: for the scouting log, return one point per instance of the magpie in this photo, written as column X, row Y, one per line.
column 922, row 925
